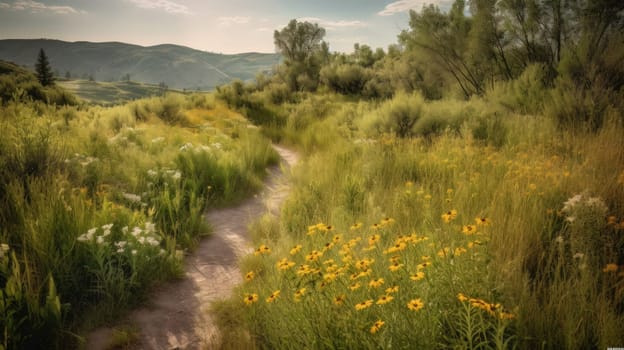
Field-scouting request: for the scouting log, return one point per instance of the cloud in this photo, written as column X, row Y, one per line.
column 37, row 7
column 331, row 25
column 228, row 21
column 165, row 5
column 405, row 5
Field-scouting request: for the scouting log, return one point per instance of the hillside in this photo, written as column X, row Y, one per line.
column 177, row 66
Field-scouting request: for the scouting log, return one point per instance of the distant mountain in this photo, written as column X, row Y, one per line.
column 179, row 67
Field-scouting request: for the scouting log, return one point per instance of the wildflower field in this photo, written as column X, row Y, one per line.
column 98, row 205
column 489, row 233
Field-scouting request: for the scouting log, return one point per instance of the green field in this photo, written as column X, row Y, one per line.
column 108, row 93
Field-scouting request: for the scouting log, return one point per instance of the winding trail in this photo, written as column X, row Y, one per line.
column 176, row 316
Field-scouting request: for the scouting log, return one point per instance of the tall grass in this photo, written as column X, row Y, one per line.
column 98, row 207
column 498, row 230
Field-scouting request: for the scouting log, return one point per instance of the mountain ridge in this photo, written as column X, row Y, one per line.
column 175, row 65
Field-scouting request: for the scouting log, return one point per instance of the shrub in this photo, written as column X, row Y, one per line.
column 398, row 115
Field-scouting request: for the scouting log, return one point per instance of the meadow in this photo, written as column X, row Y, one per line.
column 485, row 229
column 98, row 205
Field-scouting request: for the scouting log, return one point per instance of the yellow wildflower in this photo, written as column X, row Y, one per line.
column 378, row 282
column 449, row 215
column 263, row 249
column 355, row 286
column 384, row 299
column 469, row 229
column 391, row 290
column 459, row 251
column 387, row 221
column 299, row 293
column 250, row 298
column 295, row 249
column 328, row 277
column 356, row 226
column 376, row 326
column 506, row 316
column 364, row 263
column 249, row 276
column 373, row 239
column 610, row 268
column 340, row 299
column 395, row 267
column 271, row 298
column 461, row 297
column 417, row 276
column 443, row 252
column 415, row 304
column 314, row 255
column 483, row 221
column 363, row 305
column 423, row 265
column 284, row 264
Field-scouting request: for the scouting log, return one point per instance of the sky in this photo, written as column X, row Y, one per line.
column 222, row 26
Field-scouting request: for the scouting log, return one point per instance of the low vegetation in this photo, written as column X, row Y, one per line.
column 99, row 204
column 462, row 189
column 458, row 190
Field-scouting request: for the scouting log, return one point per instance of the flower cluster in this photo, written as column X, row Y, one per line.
column 493, row 309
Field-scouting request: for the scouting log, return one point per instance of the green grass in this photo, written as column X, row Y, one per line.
column 539, row 273
column 97, row 205
column 110, row 93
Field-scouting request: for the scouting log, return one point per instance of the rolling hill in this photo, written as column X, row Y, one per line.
column 178, row 67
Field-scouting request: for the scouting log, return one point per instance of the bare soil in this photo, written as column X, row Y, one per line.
column 177, row 316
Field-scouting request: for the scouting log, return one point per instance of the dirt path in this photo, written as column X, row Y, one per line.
column 176, row 317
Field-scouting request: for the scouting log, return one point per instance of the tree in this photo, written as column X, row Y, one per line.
column 43, row 69
column 303, row 48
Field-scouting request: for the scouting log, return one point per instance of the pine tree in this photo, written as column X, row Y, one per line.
column 43, row 69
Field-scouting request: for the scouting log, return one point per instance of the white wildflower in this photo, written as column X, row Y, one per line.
column 559, row 239
column 107, row 227
column 136, row 231
column 134, row 252
column 186, row 146
column 150, row 227
column 131, row 197
column 100, row 240
column 4, row 248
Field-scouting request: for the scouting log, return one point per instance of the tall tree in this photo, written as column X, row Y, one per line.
column 303, row 48
column 43, row 69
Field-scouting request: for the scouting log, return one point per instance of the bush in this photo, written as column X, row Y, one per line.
column 348, row 79
column 398, row 115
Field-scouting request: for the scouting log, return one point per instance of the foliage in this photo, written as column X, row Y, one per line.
column 480, row 225
column 302, row 46
column 97, row 205
column 43, row 69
